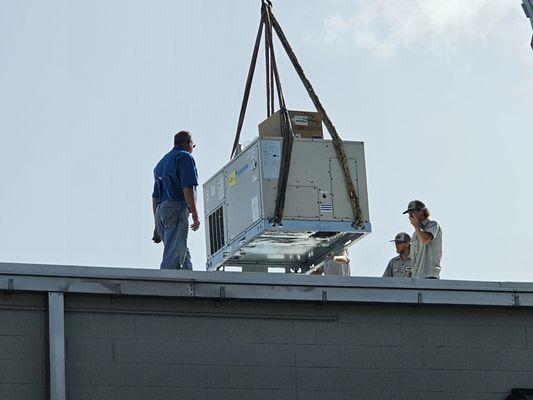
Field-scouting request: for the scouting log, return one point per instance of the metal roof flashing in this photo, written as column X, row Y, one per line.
column 261, row 286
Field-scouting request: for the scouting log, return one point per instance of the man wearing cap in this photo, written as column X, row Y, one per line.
column 401, row 265
column 426, row 246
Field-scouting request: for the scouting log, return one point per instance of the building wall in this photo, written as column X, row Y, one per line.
column 130, row 347
column 23, row 347
column 143, row 348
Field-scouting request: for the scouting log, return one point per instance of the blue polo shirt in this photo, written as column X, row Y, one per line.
column 175, row 171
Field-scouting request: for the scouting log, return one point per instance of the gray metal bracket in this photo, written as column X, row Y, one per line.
column 10, row 289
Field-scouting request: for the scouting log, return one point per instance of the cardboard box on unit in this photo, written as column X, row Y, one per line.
column 305, row 124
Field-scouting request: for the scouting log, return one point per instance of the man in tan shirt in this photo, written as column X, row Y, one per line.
column 400, row 266
column 426, row 247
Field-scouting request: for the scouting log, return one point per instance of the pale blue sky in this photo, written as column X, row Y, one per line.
column 91, row 93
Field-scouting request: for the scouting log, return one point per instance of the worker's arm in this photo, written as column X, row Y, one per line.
column 423, row 236
column 156, row 238
column 188, row 192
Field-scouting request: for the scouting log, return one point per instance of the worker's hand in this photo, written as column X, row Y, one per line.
column 414, row 221
column 156, row 238
column 195, row 222
column 343, row 259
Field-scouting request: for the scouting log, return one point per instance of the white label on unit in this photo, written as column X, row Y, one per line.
column 300, row 120
column 220, row 186
column 271, row 159
column 255, row 208
column 213, row 190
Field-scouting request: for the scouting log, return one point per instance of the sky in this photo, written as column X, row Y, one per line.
column 91, row 93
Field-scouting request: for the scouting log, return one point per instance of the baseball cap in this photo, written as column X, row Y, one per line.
column 402, row 237
column 414, row 205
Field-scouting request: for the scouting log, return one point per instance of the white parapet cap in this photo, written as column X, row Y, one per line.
column 16, row 277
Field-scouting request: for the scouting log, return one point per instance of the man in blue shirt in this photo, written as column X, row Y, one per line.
column 174, row 197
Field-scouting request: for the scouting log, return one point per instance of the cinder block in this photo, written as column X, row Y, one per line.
column 485, row 336
column 261, row 377
column 517, row 359
column 170, row 375
column 348, row 379
column 183, row 376
column 113, row 374
column 171, row 393
column 24, row 300
column 259, row 330
column 263, row 394
column 93, row 392
column 466, row 381
column 89, row 349
column 79, row 324
column 383, row 314
column 166, row 327
column 467, row 316
column 275, row 355
column 21, row 322
column 452, row 396
column 317, row 356
column 203, row 376
column 421, row 335
column 307, row 378
column 342, row 395
column 161, row 351
column 475, row 358
column 464, row 336
column 78, row 373
column 358, row 334
column 212, row 329
column 383, row 357
column 23, row 392
column 397, row 395
column 21, row 371
column 177, row 352
column 305, row 331
column 22, row 348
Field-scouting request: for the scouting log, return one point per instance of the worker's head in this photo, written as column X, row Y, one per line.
column 402, row 241
column 417, row 209
column 183, row 140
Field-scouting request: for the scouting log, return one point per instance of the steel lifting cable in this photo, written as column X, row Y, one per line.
column 337, row 141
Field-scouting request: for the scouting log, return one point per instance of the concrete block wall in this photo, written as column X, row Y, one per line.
column 130, row 347
column 23, row 347
column 147, row 348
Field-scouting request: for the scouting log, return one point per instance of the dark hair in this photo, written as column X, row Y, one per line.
column 182, row 138
column 425, row 210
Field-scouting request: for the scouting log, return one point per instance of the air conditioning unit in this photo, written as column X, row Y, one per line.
column 239, row 203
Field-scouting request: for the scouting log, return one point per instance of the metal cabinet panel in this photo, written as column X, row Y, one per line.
column 317, row 218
